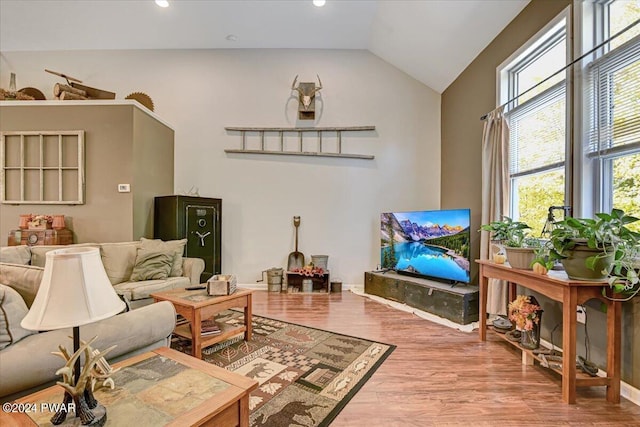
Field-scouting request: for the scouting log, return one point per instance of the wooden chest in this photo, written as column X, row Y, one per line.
column 40, row 237
column 458, row 304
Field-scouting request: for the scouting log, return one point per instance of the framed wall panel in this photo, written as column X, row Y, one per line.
column 42, row 167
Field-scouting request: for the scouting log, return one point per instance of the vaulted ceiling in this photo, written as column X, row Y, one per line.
column 431, row 40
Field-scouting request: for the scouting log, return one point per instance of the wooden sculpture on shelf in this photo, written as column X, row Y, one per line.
column 74, row 90
column 78, row 388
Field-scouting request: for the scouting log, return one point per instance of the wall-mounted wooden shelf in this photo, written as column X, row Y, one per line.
column 300, row 131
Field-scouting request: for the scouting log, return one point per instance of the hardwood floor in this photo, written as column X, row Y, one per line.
column 440, row 376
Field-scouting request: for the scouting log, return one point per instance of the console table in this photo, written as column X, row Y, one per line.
column 570, row 293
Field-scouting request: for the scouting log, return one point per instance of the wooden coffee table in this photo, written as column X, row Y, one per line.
column 198, row 305
column 162, row 387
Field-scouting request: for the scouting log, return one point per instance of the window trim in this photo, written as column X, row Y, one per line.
column 547, row 37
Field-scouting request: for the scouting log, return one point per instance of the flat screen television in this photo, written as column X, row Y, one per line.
column 430, row 244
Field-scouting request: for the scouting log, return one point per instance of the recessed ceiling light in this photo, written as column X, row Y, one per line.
column 319, row 3
column 162, row 3
column 232, row 37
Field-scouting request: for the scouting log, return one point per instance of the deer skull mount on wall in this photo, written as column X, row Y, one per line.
column 307, row 98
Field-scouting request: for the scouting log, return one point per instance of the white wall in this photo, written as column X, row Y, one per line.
column 199, row 92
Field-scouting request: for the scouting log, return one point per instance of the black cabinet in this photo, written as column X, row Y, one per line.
column 198, row 219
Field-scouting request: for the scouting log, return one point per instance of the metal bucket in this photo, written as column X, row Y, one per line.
column 274, row 279
column 336, row 287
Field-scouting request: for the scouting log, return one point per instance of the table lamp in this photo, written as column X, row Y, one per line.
column 75, row 291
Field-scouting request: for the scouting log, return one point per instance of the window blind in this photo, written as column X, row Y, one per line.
column 537, row 132
column 614, row 94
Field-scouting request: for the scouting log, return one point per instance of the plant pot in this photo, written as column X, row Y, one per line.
column 520, row 258
column 576, row 267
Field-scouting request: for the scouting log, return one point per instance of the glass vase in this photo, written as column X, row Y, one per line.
column 530, row 339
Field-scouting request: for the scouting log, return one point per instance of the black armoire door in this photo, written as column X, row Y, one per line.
column 197, row 219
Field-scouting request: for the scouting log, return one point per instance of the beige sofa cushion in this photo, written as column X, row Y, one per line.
column 39, row 253
column 20, row 254
column 25, row 279
column 12, row 311
column 118, row 260
column 175, row 246
column 132, row 291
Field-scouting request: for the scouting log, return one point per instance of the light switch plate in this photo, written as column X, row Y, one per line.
column 124, row 188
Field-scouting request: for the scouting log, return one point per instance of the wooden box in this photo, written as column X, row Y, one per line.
column 321, row 283
column 40, row 237
column 457, row 303
column 221, row 284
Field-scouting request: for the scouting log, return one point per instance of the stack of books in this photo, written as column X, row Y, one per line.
column 209, row 327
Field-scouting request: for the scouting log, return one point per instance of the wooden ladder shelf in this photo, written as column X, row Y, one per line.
column 281, row 131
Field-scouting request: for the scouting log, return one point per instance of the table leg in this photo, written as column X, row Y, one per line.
column 244, row 411
column 482, row 309
column 569, row 322
column 247, row 319
column 614, row 331
column 196, row 334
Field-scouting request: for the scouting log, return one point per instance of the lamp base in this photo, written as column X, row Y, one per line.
column 100, row 413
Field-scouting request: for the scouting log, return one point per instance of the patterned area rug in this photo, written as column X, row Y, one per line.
column 306, row 375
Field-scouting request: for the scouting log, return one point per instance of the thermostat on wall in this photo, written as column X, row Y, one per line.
column 124, row 188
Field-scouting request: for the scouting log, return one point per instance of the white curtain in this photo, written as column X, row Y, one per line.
column 495, row 195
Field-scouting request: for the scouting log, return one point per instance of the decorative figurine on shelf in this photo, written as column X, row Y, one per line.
column 40, row 222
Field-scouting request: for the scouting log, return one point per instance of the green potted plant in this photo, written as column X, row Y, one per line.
column 595, row 249
column 511, row 236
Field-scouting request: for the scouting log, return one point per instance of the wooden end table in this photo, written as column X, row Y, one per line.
column 162, row 387
column 197, row 305
column 571, row 293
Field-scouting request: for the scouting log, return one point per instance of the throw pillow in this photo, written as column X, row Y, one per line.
column 20, row 254
column 175, row 247
column 24, row 279
column 12, row 311
column 151, row 265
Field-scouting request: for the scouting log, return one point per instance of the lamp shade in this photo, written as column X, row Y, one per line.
column 74, row 291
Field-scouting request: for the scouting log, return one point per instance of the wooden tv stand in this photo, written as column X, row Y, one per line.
column 570, row 293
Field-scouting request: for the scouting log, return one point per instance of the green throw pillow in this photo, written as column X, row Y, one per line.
column 175, row 247
column 12, row 311
column 151, row 265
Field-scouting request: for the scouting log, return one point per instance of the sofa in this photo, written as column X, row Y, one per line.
column 26, row 362
column 136, row 269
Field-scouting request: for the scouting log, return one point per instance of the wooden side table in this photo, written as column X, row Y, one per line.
column 197, row 305
column 570, row 293
column 49, row 236
column 162, row 387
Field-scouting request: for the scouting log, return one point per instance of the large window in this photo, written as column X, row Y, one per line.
column 537, row 120
column 613, row 103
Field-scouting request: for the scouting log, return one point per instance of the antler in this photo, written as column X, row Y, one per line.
column 293, row 85
column 319, row 84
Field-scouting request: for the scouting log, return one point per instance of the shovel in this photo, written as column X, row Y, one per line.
column 296, row 259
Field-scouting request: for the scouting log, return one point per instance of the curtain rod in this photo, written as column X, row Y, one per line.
column 598, row 46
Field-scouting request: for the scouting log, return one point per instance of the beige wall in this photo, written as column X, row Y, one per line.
column 117, row 151
column 472, row 95
column 153, row 171
column 199, row 92
column 469, row 97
